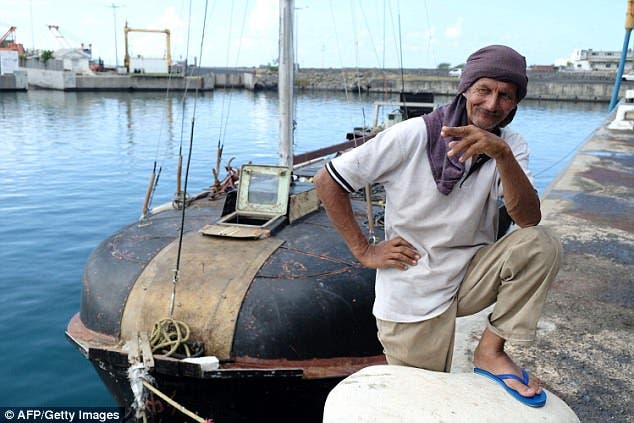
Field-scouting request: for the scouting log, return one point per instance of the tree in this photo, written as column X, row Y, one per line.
column 444, row 65
column 46, row 55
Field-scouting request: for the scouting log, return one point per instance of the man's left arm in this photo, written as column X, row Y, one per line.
column 520, row 198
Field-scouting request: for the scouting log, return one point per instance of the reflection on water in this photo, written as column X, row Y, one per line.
column 74, row 167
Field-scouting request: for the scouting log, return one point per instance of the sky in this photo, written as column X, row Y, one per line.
column 329, row 33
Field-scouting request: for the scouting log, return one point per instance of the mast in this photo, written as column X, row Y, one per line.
column 285, row 83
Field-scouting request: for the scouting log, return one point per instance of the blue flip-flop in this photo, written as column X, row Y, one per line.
column 537, row 400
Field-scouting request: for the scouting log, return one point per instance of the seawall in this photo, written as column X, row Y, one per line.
column 543, row 85
column 69, row 81
column 15, row 81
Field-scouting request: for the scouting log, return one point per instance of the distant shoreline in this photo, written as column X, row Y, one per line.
column 543, row 84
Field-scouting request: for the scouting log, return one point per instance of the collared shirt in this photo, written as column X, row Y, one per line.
column 446, row 230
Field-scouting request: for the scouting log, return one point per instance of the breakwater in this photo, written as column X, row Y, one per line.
column 543, row 85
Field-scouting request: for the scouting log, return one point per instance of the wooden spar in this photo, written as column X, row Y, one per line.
column 148, row 193
column 285, row 83
column 368, row 202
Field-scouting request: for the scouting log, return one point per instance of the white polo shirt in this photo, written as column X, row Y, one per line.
column 447, row 230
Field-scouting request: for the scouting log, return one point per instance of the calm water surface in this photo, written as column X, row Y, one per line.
column 74, row 167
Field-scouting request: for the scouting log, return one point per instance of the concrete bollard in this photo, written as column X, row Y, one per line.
column 391, row 394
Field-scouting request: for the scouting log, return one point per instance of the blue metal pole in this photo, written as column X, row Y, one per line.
column 619, row 73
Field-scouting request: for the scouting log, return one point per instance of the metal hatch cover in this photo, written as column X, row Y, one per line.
column 261, row 205
column 263, row 189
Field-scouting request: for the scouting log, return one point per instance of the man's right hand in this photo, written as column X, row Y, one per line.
column 397, row 253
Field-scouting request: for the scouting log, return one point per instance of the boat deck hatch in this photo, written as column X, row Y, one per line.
column 261, row 205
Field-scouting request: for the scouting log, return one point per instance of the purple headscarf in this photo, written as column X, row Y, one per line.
column 497, row 62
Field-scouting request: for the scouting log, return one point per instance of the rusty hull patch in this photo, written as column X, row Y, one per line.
column 317, row 368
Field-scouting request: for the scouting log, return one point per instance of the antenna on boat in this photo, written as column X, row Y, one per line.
column 285, row 84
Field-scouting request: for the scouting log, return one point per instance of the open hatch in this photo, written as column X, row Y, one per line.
column 261, row 206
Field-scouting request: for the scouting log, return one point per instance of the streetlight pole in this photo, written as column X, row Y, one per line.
column 116, row 51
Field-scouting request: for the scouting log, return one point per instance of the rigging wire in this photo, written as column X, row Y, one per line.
column 384, row 47
column 334, row 22
column 356, row 48
column 367, row 26
column 429, row 34
column 400, row 46
column 180, row 194
column 395, row 36
column 158, row 156
column 224, row 117
column 189, row 157
column 221, row 134
column 561, row 159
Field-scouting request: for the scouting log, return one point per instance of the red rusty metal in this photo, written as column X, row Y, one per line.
column 313, row 369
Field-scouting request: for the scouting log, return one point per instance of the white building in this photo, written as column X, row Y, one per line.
column 142, row 64
column 8, row 61
column 74, row 60
column 588, row 60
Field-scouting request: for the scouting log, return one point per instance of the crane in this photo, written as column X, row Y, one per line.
column 10, row 44
column 58, row 35
column 11, row 31
column 127, row 29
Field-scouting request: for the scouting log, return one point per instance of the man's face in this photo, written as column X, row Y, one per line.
column 489, row 102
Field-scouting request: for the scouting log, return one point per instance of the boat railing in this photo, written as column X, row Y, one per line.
column 380, row 104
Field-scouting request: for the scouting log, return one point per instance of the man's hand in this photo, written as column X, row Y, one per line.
column 397, row 253
column 522, row 202
column 473, row 141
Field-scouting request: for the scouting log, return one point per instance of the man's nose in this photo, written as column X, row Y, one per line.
column 491, row 101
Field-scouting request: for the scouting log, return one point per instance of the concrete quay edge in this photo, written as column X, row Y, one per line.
column 583, row 351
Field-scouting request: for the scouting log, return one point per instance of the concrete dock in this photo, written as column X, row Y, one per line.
column 585, row 350
column 585, row 345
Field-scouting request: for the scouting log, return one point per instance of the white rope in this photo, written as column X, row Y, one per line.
column 138, row 375
column 174, row 403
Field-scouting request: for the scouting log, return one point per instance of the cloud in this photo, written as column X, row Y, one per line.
column 455, row 31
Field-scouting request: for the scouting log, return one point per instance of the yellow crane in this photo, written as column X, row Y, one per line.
column 127, row 29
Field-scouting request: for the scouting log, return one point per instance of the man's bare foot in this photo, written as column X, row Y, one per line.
column 490, row 356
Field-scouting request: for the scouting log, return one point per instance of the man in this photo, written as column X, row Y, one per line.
column 443, row 176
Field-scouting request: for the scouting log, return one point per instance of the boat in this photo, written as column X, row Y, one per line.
column 262, row 308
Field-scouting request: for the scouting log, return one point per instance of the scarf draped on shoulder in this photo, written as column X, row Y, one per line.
column 497, row 62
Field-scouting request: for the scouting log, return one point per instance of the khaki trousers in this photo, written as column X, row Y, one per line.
column 515, row 273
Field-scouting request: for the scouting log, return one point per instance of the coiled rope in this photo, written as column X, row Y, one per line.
column 169, row 335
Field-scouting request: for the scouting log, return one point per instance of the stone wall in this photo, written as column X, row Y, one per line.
column 543, row 85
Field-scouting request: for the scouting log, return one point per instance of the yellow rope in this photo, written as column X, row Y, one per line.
column 174, row 403
column 168, row 335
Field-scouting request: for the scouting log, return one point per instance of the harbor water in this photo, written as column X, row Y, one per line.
column 74, row 167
